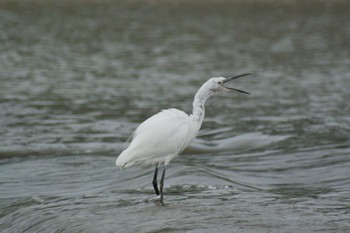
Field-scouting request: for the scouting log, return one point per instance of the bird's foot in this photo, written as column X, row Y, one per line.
column 158, row 199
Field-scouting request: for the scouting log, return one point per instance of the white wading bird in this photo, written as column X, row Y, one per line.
column 162, row 137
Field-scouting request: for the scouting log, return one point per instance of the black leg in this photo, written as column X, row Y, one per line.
column 162, row 184
column 155, row 185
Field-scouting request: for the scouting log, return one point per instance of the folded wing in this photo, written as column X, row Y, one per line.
column 159, row 139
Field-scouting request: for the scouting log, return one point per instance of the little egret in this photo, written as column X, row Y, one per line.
column 162, row 137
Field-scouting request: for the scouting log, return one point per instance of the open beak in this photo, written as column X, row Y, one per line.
column 232, row 78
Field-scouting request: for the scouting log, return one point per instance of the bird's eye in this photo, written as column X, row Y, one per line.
column 219, row 82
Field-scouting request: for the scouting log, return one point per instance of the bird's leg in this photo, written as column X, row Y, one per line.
column 161, row 184
column 155, row 185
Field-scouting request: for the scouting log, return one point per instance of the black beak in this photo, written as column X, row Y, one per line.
column 235, row 77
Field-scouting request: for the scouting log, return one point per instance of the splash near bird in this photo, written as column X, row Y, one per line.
column 163, row 136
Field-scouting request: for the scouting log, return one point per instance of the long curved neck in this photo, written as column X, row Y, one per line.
column 198, row 111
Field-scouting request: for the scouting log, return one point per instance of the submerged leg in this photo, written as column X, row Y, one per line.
column 161, row 184
column 155, row 185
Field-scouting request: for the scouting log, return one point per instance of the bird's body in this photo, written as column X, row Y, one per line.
column 162, row 137
column 159, row 139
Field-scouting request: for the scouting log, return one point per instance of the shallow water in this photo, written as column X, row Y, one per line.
column 77, row 77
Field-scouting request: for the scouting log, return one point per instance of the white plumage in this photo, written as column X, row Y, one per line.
column 159, row 139
column 162, row 137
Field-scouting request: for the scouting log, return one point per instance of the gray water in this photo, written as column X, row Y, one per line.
column 77, row 77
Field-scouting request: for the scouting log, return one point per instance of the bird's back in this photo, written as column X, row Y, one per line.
column 159, row 139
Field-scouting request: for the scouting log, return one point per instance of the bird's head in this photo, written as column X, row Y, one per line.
column 217, row 84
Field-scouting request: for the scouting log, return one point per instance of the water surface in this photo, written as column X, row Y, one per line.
column 77, row 77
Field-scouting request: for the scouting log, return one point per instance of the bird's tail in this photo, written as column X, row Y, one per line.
column 123, row 159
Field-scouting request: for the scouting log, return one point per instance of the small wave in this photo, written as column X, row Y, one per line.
column 188, row 188
column 242, row 142
column 60, row 149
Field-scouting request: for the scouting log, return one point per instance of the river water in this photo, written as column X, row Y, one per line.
column 77, row 77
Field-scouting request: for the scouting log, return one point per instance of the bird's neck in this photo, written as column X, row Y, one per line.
column 198, row 111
